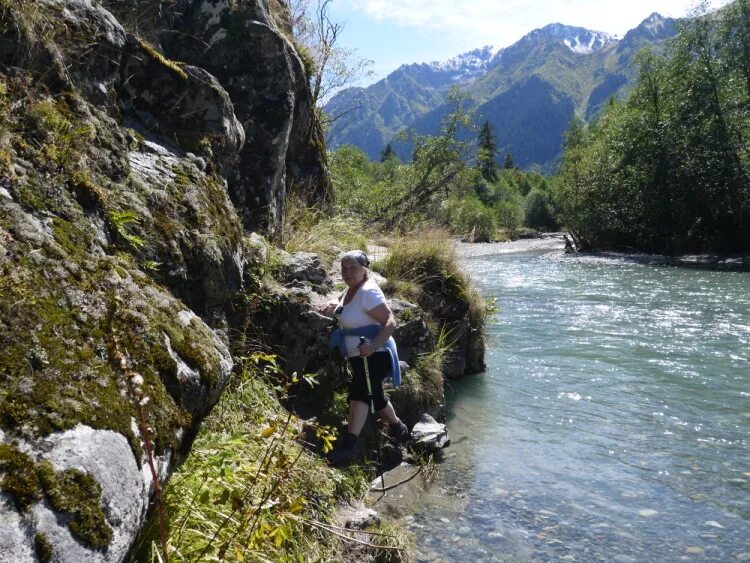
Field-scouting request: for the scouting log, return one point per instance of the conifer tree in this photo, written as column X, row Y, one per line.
column 387, row 153
column 509, row 165
column 487, row 152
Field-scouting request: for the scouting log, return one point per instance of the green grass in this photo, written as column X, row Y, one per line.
column 250, row 489
column 421, row 264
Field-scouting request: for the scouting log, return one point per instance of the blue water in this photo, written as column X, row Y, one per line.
column 612, row 424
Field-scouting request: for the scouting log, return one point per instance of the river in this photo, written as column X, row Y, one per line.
column 612, row 424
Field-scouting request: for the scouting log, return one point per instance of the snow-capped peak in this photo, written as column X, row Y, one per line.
column 467, row 65
column 588, row 42
column 577, row 39
column 654, row 22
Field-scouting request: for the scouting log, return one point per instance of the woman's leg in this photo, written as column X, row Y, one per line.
column 358, row 411
column 388, row 414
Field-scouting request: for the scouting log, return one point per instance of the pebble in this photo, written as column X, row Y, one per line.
column 629, row 494
column 694, row 551
column 495, row 536
column 444, row 520
column 714, row 524
column 464, row 531
column 647, row 512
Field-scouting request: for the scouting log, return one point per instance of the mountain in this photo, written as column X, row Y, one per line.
column 528, row 91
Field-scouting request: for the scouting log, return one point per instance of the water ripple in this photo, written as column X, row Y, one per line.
column 613, row 419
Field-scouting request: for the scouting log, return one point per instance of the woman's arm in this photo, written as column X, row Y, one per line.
column 381, row 313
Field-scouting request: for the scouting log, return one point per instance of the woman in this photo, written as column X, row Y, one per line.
column 366, row 325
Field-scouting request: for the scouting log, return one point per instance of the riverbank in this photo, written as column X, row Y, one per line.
column 555, row 242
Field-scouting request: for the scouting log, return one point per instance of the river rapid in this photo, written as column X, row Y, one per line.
column 612, row 424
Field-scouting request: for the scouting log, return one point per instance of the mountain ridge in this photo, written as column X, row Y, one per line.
column 582, row 67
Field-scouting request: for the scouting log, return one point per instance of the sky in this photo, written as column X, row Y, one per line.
column 396, row 32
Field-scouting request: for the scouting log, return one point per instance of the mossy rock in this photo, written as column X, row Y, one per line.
column 69, row 492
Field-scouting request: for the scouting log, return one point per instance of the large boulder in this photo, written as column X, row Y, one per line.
column 113, row 251
column 75, row 42
column 247, row 47
column 182, row 102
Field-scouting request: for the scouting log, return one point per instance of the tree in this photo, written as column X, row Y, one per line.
column 509, row 162
column 487, row 152
column 438, row 162
column 333, row 66
column 388, row 153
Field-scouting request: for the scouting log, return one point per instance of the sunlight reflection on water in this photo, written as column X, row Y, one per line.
column 612, row 422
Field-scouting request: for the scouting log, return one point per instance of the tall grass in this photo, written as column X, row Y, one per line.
column 422, row 385
column 423, row 264
column 311, row 229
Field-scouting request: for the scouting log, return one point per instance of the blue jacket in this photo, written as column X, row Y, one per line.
column 370, row 332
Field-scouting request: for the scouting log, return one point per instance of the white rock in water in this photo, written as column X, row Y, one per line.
column 714, row 524
column 429, row 434
column 647, row 512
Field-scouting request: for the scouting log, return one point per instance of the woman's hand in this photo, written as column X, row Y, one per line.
column 328, row 308
column 366, row 350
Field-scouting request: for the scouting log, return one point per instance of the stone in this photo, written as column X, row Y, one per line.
column 305, row 267
column 694, row 550
column 91, row 66
column 362, row 518
column 647, row 512
column 429, row 435
column 412, row 335
column 714, row 524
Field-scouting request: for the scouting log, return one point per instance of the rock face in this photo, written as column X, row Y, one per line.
column 125, row 178
column 247, row 47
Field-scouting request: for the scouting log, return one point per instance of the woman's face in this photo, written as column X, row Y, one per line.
column 352, row 272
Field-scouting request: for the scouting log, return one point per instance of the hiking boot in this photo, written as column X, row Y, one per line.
column 399, row 432
column 344, row 452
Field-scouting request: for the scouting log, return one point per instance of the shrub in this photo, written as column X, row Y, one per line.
column 469, row 217
column 538, row 211
column 509, row 215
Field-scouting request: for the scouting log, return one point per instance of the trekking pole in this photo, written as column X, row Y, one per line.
column 372, row 411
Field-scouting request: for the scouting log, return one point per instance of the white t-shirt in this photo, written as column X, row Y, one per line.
column 354, row 313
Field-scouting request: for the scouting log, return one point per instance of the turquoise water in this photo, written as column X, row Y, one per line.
column 612, row 424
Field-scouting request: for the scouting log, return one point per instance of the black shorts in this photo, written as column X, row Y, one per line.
column 379, row 365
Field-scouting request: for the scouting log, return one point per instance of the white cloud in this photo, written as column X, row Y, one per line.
column 501, row 22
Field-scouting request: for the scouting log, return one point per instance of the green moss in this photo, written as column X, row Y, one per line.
column 78, row 494
column 43, row 548
column 73, row 239
column 71, row 380
column 69, row 491
column 161, row 59
column 20, row 479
